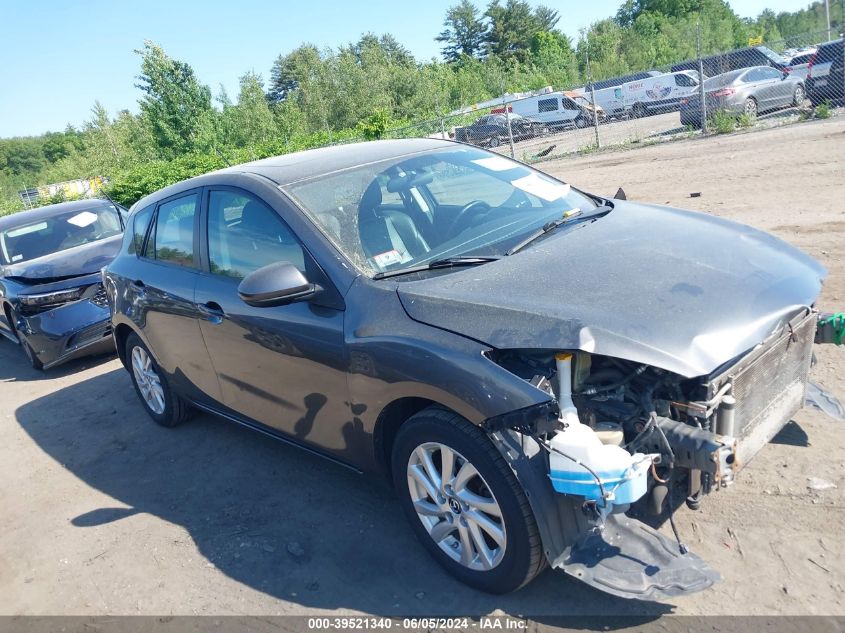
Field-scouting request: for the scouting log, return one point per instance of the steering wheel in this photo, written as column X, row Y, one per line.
column 473, row 208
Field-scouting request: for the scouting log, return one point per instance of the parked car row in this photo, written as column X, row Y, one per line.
column 487, row 337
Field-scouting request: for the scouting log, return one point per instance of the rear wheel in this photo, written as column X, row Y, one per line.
column 798, row 96
column 750, row 108
column 464, row 503
column 152, row 386
column 494, row 141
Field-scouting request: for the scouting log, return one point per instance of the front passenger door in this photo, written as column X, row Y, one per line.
column 282, row 366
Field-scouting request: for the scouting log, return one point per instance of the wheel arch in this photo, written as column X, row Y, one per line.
column 389, row 421
column 121, row 334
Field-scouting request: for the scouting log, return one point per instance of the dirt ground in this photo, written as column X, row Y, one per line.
column 103, row 512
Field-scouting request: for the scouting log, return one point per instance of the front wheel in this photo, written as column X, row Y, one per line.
column 494, row 141
column 798, row 97
column 464, row 502
column 163, row 405
column 29, row 352
column 580, row 122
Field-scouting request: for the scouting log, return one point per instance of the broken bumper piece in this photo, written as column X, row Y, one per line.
column 631, row 560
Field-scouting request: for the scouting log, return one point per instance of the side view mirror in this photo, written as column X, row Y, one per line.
column 274, row 285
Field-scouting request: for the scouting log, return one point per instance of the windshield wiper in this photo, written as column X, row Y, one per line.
column 446, row 262
column 548, row 227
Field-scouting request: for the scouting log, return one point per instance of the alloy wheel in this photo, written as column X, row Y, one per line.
column 751, row 107
column 799, row 96
column 456, row 506
column 148, row 380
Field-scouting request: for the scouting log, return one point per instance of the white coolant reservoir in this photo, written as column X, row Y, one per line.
column 580, row 464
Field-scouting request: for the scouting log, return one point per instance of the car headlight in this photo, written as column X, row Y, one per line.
column 51, row 298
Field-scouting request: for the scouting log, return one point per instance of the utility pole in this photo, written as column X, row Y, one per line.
column 827, row 15
column 702, row 97
column 508, row 118
column 592, row 91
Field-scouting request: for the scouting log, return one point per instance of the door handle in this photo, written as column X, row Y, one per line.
column 212, row 312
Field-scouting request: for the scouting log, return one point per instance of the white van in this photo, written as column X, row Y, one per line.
column 661, row 93
column 608, row 92
column 555, row 109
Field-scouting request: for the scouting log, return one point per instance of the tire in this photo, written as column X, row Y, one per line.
column 580, row 123
column 503, row 563
column 638, row 111
column 28, row 351
column 31, row 358
column 494, row 141
column 173, row 410
column 798, row 96
column 750, row 108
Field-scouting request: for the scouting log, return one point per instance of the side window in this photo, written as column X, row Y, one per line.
column 244, row 234
column 140, row 223
column 547, row 105
column 770, row 73
column 684, row 81
column 174, row 230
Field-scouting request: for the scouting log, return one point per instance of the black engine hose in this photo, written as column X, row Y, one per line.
column 591, row 391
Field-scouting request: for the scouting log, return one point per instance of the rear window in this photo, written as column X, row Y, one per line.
column 140, row 223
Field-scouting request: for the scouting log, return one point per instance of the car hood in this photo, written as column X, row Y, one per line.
column 675, row 289
column 73, row 262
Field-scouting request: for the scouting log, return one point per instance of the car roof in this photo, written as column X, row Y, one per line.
column 41, row 213
column 289, row 168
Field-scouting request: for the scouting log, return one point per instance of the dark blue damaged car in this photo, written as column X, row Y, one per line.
column 52, row 299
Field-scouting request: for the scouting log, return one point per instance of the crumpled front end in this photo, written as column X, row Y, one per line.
column 697, row 433
column 78, row 327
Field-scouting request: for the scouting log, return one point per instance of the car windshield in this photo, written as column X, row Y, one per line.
column 447, row 203
column 36, row 238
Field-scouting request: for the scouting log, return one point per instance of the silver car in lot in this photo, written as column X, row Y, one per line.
column 746, row 91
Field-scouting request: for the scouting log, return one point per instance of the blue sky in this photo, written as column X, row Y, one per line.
column 58, row 57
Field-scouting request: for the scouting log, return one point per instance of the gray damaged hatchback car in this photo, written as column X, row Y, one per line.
column 532, row 366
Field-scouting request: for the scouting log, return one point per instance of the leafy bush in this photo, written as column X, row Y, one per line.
column 723, row 122
column 823, row 109
column 745, row 120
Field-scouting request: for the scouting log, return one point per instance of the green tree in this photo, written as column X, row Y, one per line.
column 175, row 105
column 291, row 70
column 250, row 121
column 464, row 32
column 513, row 25
column 552, row 53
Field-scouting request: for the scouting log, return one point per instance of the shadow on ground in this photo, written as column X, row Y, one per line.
column 268, row 515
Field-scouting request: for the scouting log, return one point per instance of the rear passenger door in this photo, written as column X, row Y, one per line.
column 164, row 296
column 282, row 366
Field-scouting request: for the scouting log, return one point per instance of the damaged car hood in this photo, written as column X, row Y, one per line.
column 72, row 262
column 675, row 289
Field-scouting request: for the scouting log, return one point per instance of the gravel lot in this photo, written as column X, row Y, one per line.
column 105, row 513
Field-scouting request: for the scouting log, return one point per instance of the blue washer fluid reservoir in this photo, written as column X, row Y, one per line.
column 623, row 477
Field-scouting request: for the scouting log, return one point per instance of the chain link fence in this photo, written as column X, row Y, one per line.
column 762, row 85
